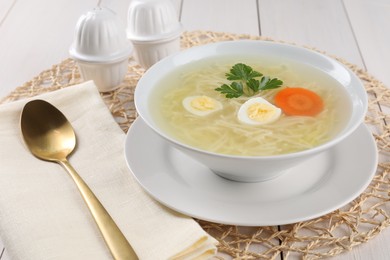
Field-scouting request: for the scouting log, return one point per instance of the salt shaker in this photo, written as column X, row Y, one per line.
column 101, row 48
column 154, row 30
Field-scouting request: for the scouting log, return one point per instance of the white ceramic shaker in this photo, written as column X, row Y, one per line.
column 101, row 48
column 154, row 30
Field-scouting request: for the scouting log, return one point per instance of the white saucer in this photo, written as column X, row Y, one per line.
column 325, row 183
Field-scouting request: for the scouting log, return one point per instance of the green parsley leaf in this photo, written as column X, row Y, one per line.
column 241, row 71
column 253, row 84
column 267, row 83
column 234, row 90
column 244, row 76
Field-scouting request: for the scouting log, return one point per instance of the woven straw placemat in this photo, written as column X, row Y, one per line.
column 329, row 235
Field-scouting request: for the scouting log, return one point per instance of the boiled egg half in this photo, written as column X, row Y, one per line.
column 201, row 105
column 258, row 111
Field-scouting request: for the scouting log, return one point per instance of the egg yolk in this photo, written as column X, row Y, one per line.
column 203, row 103
column 260, row 112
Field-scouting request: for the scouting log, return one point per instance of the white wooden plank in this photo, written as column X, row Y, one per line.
column 5, row 7
column 314, row 23
column 370, row 21
column 178, row 4
column 232, row 16
column 35, row 27
column 375, row 249
column 35, row 35
column 324, row 25
column 4, row 256
column 371, row 25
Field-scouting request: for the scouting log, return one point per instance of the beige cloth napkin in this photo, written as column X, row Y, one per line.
column 42, row 215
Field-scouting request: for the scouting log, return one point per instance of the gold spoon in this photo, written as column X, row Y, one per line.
column 50, row 136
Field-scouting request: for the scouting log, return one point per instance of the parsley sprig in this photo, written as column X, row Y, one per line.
column 244, row 81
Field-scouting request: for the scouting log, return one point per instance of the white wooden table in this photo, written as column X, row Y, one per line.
column 37, row 34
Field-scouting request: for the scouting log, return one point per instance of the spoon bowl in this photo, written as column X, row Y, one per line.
column 46, row 131
column 50, row 136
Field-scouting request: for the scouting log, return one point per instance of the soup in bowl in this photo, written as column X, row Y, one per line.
column 250, row 110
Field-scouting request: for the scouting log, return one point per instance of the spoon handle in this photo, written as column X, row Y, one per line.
column 115, row 240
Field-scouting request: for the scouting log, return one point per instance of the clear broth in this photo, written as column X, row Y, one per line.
column 221, row 132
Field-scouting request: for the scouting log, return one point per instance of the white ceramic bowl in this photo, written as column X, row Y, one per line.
column 252, row 168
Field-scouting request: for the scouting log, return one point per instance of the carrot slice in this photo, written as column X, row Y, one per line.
column 299, row 102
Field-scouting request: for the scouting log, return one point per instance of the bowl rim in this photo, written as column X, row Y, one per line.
column 343, row 133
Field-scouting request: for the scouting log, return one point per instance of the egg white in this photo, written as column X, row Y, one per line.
column 268, row 114
column 213, row 105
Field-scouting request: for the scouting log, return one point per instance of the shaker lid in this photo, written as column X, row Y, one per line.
column 152, row 20
column 99, row 37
